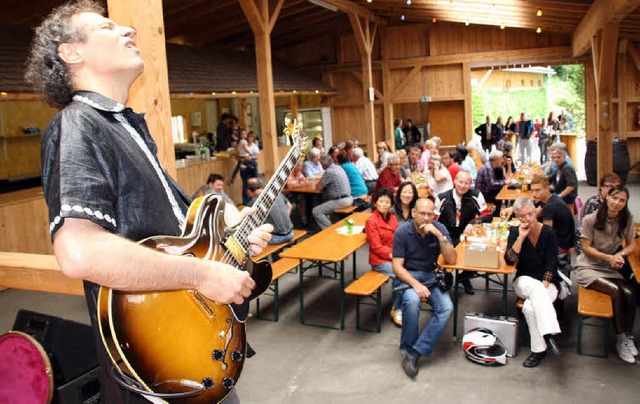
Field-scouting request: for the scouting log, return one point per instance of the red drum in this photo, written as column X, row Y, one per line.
column 25, row 370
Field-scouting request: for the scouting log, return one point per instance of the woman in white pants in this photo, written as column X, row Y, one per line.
column 533, row 248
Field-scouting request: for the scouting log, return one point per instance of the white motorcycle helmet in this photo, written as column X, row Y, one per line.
column 482, row 346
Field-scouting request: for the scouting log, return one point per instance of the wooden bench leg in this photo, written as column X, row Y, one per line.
column 273, row 288
column 377, row 298
column 604, row 324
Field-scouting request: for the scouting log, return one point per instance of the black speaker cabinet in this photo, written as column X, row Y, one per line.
column 71, row 349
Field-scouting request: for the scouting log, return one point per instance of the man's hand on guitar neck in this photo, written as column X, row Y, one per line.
column 259, row 237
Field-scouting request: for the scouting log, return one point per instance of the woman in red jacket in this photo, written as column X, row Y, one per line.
column 380, row 227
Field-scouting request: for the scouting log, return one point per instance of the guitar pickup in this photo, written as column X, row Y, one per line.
column 236, row 250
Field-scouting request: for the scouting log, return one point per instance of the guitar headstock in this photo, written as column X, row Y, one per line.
column 297, row 138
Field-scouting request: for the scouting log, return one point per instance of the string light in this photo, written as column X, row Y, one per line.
column 539, row 12
column 466, row 23
column 502, row 26
column 434, row 20
column 408, row 2
column 369, row 1
column 402, row 17
column 538, row 30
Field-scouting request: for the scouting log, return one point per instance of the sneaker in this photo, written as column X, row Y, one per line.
column 624, row 351
column 396, row 317
column 632, row 345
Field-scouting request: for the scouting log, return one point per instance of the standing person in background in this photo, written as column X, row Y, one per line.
column 398, row 136
column 234, row 130
column 497, row 131
column 525, row 141
column 485, row 132
column 102, row 180
column 223, row 133
column 511, row 125
column 249, row 167
column 544, row 138
column 603, row 259
column 380, row 228
column 411, row 133
column 241, row 154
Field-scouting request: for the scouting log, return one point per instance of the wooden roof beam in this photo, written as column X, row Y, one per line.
column 600, row 13
column 349, row 7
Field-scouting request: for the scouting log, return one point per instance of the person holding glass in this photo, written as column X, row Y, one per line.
column 600, row 265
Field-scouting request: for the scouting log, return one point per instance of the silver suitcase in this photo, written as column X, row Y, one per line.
column 506, row 328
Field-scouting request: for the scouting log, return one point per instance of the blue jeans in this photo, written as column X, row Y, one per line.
column 278, row 239
column 396, row 297
column 423, row 341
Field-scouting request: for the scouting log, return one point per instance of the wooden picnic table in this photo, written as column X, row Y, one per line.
column 507, row 194
column 460, row 265
column 330, row 246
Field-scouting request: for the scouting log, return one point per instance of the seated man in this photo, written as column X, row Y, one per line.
column 457, row 208
column 565, row 181
column 449, row 161
column 279, row 215
column 532, row 247
column 414, row 164
column 215, row 184
column 336, row 189
column 416, row 247
column 554, row 212
column 366, row 169
column 487, row 183
column 438, row 176
column 312, row 167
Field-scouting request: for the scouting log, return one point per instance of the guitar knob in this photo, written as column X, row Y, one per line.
column 228, row 383
column 236, row 356
column 217, row 355
column 208, row 383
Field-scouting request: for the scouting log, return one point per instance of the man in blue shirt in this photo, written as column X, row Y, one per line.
column 416, row 247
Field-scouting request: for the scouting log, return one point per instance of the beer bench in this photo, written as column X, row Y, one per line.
column 278, row 268
column 596, row 305
column 272, row 248
column 350, row 209
column 364, row 288
column 36, row 272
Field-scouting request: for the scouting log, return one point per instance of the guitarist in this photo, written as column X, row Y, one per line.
column 102, row 180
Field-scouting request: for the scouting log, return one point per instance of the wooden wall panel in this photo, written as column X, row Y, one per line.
column 443, row 81
column 348, row 50
column 405, row 41
column 446, row 39
column 24, row 222
column 20, row 157
column 447, row 121
column 322, row 49
column 350, row 88
column 21, row 114
column 417, row 111
column 347, row 122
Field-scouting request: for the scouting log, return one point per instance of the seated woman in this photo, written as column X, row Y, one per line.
column 592, row 204
column 390, row 176
column 380, row 228
column 383, row 156
column 599, row 266
column 533, row 248
column 405, row 200
column 358, row 187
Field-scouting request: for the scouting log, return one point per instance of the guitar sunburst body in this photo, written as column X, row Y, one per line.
column 181, row 335
column 179, row 341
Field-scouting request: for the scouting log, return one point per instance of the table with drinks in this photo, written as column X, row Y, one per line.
column 482, row 250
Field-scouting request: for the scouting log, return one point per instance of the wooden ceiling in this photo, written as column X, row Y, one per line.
column 222, row 22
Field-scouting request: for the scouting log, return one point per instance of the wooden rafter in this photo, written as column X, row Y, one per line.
column 600, row 13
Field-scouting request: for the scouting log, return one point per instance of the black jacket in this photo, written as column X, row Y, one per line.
column 469, row 210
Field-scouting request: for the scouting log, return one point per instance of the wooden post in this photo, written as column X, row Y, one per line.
column 387, row 104
column 605, row 72
column 468, row 101
column 261, row 22
column 362, row 31
column 150, row 93
column 622, row 87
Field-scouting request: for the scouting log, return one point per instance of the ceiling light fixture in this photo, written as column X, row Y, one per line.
column 324, row 4
column 539, row 12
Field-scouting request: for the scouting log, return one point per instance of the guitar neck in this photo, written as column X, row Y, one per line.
column 267, row 198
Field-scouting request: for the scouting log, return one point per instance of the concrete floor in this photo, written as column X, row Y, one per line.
column 302, row 364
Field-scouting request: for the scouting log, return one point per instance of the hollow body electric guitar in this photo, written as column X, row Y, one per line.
column 179, row 345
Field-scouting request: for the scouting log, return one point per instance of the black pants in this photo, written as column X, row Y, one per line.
column 623, row 299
